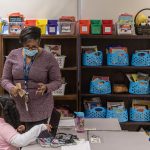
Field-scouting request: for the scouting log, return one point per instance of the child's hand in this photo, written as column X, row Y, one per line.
column 48, row 127
column 21, row 129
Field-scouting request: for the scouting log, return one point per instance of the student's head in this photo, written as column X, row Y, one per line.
column 9, row 111
column 30, row 37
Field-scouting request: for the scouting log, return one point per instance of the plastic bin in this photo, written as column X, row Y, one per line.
column 139, row 87
column 121, row 115
column 30, row 23
column 52, row 26
column 60, row 91
column 96, row 26
column 66, row 27
column 100, row 87
column 140, row 59
column 15, row 27
column 42, row 24
column 136, row 115
column 84, row 26
column 107, row 26
column 93, row 59
column 97, row 112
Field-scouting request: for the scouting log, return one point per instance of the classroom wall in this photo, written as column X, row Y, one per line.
column 95, row 9
column 110, row 9
column 39, row 8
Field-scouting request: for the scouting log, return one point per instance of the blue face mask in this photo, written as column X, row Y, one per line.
column 30, row 53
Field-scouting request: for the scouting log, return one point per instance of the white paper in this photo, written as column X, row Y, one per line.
column 81, row 146
column 67, row 123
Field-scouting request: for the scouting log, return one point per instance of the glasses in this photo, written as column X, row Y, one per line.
column 31, row 48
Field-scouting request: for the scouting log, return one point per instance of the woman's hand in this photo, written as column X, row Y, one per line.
column 21, row 129
column 14, row 91
column 41, row 89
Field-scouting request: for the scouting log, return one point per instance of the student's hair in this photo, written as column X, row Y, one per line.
column 9, row 111
column 30, row 33
column 1, row 110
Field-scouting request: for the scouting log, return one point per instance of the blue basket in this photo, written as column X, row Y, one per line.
column 140, row 59
column 93, row 59
column 97, row 112
column 121, row 116
column 136, row 115
column 139, row 87
column 118, row 58
column 100, row 87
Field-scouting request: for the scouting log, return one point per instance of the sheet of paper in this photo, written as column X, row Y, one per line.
column 67, row 123
column 80, row 146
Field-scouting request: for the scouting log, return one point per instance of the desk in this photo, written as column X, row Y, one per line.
column 98, row 124
column 120, row 140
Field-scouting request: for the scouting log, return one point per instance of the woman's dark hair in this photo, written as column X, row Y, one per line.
column 29, row 33
column 10, row 112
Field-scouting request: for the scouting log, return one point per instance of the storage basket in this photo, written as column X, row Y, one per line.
column 92, row 59
column 42, row 25
column 96, row 26
column 139, row 87
column 60, row 60
column 30, row 23
column 52, row 26
column 97, row 112
column 121, row 115
column 15, row 27
column 136, row 115
column 98, row 86
column 84, row 26
column 66, row 27
column 118, row 58
column 60, row 91
column 141, row 30
column 140, row 59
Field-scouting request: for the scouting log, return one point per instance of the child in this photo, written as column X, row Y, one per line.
column 10, row 139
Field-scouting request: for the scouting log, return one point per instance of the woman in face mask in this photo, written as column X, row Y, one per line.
column 30, row 75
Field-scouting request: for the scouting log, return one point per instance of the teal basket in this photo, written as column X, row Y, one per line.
column 118, row 58
column 97, row 112
column 140, row 59
column 100, row 87
column 92, row 59
column 136, row 115
column 139, row 87
column 122, row 116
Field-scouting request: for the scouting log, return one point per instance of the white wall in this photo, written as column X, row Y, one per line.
column 111, row 9
column 91, row 9
column 39, row 8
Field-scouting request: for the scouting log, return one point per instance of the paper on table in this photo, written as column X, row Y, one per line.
column 67, row 123
column 83, row 145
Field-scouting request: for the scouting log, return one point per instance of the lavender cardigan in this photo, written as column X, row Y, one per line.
column 45, row 70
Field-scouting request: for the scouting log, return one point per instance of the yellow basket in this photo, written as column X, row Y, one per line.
column 1, row 25
column 42, row 25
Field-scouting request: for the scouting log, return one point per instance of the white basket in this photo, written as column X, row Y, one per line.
column 60, row 91
column 61, row 61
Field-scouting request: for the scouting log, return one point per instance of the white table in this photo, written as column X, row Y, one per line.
column 93, row 124
column 120, row 140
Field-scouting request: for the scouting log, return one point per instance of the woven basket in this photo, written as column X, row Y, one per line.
column 141, row 30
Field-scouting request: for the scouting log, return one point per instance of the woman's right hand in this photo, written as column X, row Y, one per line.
column 14, row 91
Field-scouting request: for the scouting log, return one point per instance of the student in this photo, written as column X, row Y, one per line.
column 10, row 139
column 38, row 73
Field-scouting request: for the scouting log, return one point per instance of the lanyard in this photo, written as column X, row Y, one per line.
column 26, row 70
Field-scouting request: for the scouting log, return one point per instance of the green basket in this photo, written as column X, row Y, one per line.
column 96, row 26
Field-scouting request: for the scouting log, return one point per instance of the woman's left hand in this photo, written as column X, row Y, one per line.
column 42, row 88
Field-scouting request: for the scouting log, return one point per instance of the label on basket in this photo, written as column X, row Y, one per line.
column 107, row 29
column 84, row 29
column 66, row 28
column 52, row 29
